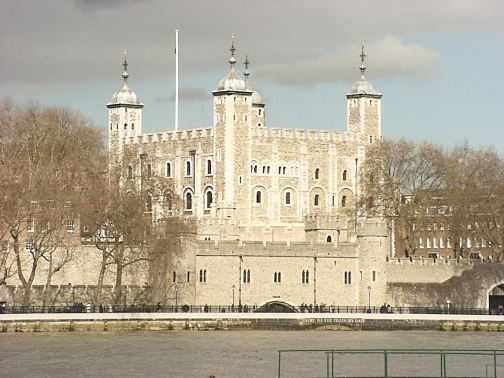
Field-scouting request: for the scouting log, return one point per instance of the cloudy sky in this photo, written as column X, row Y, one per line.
column 439, row 64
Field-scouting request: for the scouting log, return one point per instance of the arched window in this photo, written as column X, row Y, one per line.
column 132, row 126
column 268, row 170
column 125, row 126
column 349, row 278
column 279, row 170
column 255, row 168
column 343, row 201
column 208, row 199
column 188, row 200
column 209, row 167
column 168, row 169
column 307, row 276
column 283, row 170
column 258, row 196
column 345, row 175
column 148, row 204
column 149, row 170
column 264, row 169
column 130, row 172
column 188, row 168
column 287, row 198
column 329, row 239
column 316, row 200
column 317, row 174
column 346, row 278
column 202, row 275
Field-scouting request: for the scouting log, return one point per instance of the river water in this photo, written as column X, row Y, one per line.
column 243, row 353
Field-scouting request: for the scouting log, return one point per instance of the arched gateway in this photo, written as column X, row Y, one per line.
column 496, row 299
column 276, row 306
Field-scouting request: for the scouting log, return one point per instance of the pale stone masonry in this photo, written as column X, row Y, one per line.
column 275, row 208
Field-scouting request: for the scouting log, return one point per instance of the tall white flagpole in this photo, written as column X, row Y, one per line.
column 176, row 79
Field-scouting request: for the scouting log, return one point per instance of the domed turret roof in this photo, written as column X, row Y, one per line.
column 362, row 86
column 232, row 82
column 125, row 95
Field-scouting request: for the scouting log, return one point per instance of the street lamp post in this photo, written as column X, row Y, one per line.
column 448, row 302
column 176, row 297
column 369, row 298
column 233, row 288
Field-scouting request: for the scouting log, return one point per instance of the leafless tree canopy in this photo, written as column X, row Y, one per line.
column 402, row 180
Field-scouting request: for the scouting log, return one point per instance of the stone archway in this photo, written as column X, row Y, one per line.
column 276, row 306
column 496, row 299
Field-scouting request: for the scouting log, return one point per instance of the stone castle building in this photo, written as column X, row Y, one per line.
column 275, row 208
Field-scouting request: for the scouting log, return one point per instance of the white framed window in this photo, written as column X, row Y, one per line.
column 70, row 225
column 30, row 245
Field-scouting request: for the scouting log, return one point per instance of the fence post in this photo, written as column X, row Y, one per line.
column 385, row 364
column 495, row 363
column 332, row 364
column 279, row 359
column 327, row 364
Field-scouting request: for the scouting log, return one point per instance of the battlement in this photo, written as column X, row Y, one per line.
column 302, row 134
column 275, row 248
column 429, row 261
column 170, row 136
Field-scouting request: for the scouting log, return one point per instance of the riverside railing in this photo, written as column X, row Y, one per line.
column 472, row 362
column 82, row 308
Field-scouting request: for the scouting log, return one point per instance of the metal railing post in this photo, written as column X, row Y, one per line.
column 444, row 364
column 385, row 364
column 327, row 365
column 279, row 359
column 495, row 363
column 332, row 364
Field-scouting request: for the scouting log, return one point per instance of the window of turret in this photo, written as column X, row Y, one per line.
column 259, row 124
column 209, row 167
column 125, row 126
column 117, row 126
column 130, row 172
column 259, row 111
column 110, row 126
column 374, row 275
column 168, row 169
column 188, row 201
column 268, row 170
column 370, row 139
column 245, row 118
column 333, row 199
column 317, row 174
column 345, row 175
column 283, row 170
column 234, row 99
column 264, row 169
column 258, row 196
column 328, row 239
column 149, row 170
column 279, row 170
column 188, row 168
column 132, row 126
column 287, row 198
column 208, row 199
column 316, row 200
column 343, row 201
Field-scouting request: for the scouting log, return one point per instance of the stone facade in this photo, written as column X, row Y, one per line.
column 275, row 208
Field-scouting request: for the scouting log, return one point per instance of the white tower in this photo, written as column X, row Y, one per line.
column 125, row 117
column 364, row 107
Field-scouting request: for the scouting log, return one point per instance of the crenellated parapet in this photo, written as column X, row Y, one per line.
column 301, row 134
column 171, row 136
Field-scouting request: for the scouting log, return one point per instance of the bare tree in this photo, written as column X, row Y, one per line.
column 398, row 179
column 47, row 154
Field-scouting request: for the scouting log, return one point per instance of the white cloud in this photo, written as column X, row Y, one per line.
column 387, row 57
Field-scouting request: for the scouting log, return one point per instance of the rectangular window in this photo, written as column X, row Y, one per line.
column 31, row 226
column 428, row 243
column 30, row 245
column 188, row 276
column 421, row 243
column 70, row 226
column 374, row 275
column 174, row 276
